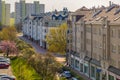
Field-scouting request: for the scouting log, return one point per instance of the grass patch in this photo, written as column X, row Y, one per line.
column 22, row 70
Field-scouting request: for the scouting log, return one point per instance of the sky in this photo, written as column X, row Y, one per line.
column 72, row 5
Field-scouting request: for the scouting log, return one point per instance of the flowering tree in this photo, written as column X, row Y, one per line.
column 8, row 47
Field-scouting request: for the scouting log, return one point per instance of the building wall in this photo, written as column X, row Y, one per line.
column 17, row 13
column 0, row 10
column 7, row 8
column 3, row 13
column 29, row 9
column 42, row 8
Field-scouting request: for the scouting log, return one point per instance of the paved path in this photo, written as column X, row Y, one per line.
column 37, row 48
column 6, row 71
column 40, row 50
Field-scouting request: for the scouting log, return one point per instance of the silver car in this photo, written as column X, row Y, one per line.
column 6, row 77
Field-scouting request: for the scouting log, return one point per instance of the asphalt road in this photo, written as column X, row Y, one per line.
column 38, row 49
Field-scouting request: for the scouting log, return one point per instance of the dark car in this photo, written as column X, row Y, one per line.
column 6, row 77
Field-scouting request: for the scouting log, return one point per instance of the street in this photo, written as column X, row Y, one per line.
column 6, row 71
column 40, row 50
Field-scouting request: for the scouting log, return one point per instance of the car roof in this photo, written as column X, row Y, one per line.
column 73, row 78
column 66, row 71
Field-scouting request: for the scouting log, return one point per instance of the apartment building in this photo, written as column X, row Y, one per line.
column 23, row 9
column 7, row 14
column 36, row 27
column 94, row 42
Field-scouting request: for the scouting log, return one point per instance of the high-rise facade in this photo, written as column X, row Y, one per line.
column 20, row 9
column 3, row 13
column 36, row 7
column 23, row 9
column 29, row 9
column 7, row 14
column 0, row 10
column 17, row 13
column 42, row 8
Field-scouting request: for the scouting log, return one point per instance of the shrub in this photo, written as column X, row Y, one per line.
column 22, row 70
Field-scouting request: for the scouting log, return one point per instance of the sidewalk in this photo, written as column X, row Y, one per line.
column 38, row 49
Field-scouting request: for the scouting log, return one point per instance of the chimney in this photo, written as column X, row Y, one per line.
column 110, row 3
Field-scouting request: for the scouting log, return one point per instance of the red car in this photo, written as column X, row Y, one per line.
column 4, row 65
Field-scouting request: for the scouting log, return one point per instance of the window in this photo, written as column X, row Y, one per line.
column 94, row 31
column 72, row 61
column 81, row 67
column 100, row 31
column 88, row 41
column 77, row 64
column 111, row 77
column 113, row 32
column 112, row 62
column 85, row 69
column 113, row 48
column 119, row 64
column 100, row 46
column 92, row 71
column 118, row 49
column 118, row 33
column 88, row 29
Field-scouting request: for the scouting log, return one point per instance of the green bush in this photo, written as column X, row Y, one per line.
column 22, row 70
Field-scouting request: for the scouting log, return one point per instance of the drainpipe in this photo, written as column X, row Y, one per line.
column 91, row 48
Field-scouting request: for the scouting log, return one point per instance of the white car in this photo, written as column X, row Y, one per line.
column 66, row 74
column 73, row 78
column 3, row 59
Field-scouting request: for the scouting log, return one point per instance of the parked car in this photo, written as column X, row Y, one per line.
column 73, row 78
column 66, row 74
column 6, row 77
column 3, row 59
column 4, row 65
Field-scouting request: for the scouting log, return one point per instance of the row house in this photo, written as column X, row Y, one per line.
column 36, row 27
column 94, row 43
column 33, row 27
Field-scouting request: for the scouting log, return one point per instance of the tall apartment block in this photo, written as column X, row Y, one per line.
column 7, row 15
column 93, row 47
column 0, row 10
column 3, row 12
column 23, row 9
column 20, row 10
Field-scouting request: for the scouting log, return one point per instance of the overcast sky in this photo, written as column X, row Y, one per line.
column 72, row 5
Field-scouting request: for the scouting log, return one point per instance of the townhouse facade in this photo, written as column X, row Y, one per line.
column 36, row 27
column 93, row 42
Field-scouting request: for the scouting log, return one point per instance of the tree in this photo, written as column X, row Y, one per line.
column 8, row 33
column 45, row 65
column 8, row 47
column 56, row 39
